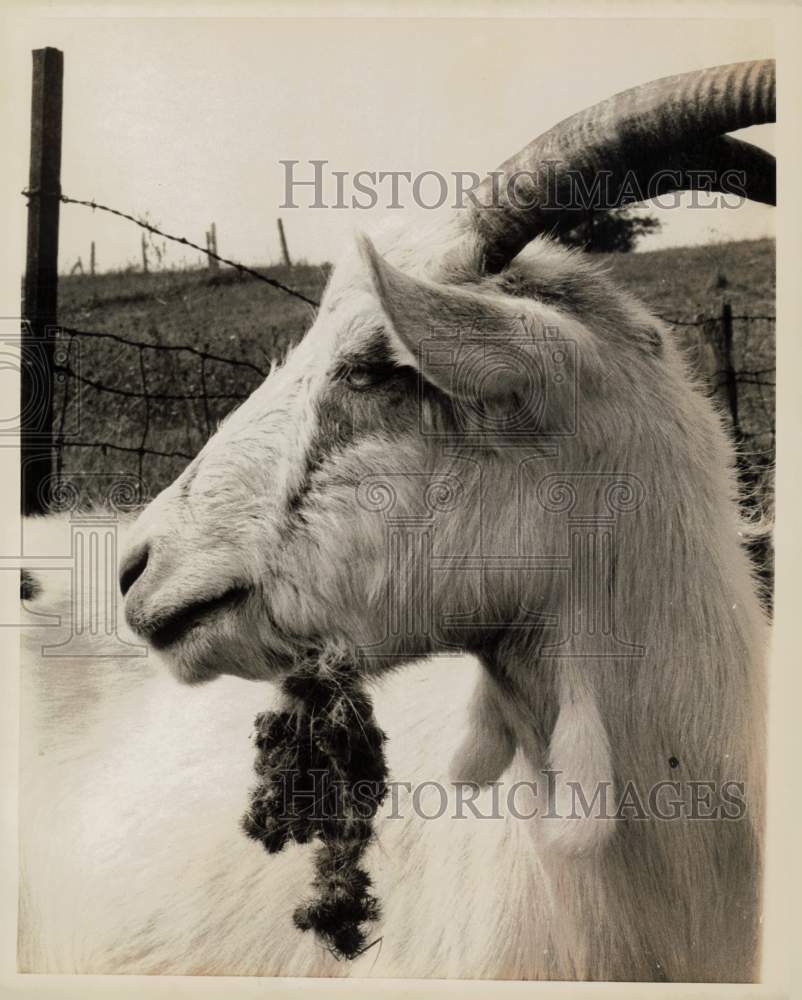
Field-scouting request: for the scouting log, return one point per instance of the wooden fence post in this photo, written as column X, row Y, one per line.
column 144, row 254
column 92, row 259
column 211, row 244
column 284, row 251
column 730, row 374
column 40, row 301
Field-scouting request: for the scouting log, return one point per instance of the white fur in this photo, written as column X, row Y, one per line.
column 130, row 822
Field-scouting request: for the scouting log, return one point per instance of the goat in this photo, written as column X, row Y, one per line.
column 484, row 454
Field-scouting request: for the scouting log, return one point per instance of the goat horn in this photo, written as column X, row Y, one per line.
column 673, row 124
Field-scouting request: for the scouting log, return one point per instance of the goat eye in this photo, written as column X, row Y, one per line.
column 366, row 376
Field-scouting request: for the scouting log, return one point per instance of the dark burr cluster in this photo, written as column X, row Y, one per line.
column 322, row 776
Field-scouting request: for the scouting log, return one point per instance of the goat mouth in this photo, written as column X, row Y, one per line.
column 193, row 616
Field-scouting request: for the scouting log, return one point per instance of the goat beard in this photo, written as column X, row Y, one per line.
column 322, row 776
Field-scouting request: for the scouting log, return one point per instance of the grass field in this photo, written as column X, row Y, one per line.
column 241, row 318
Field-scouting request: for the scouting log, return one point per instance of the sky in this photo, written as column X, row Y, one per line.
column 185, row 121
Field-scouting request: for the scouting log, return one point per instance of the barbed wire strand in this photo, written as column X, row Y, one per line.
column 96, row 206
column 127, row 448
column 73, row 332
column 133, row 394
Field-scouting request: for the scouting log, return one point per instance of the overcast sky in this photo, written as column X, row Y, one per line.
column 185, row 121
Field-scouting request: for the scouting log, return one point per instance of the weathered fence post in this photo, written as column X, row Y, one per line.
column 284, row 251
column 40, row 303
column 730, row 375
column 92, row 259
column 144, row 254
column 211, row 246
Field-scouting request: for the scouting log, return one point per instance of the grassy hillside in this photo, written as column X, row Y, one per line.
column 683, row 281
column 223, row 314
column 242, row 318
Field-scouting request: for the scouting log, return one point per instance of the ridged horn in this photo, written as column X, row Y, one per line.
column 612, row 153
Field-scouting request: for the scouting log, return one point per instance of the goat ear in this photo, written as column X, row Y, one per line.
column 460, row 340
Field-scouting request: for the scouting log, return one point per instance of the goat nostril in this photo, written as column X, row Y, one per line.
column 133, row 568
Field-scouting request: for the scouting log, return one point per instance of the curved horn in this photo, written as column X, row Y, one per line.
column 610, row 154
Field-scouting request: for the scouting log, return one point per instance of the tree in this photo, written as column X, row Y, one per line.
column 612, row 231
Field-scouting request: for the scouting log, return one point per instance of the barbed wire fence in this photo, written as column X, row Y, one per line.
column 67, row 372
column 751, row 414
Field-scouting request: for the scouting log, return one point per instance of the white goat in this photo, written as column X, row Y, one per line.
column 477, row 449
